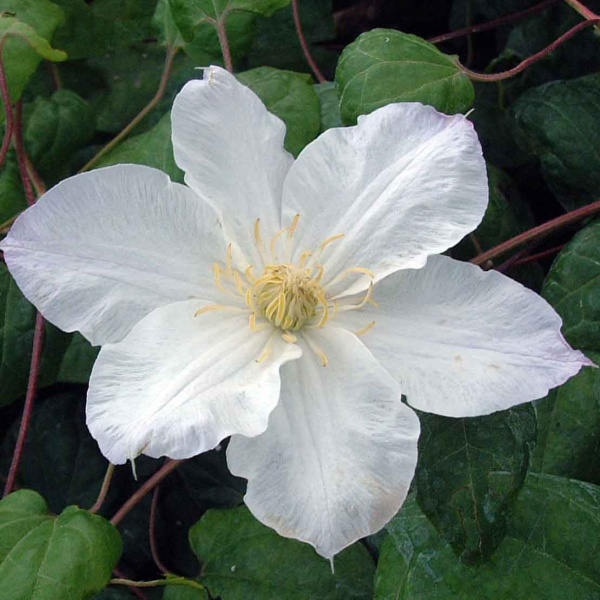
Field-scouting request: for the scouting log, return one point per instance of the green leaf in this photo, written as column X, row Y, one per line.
column 273, row 46
column 200, row 483
column 152, row 148
column 12, row 197
column 569, row 428
column 35, row 21
column 573, row 288
column 562, row 123
column 179, row 592
column 205, row 48
column 83, row 34
column 53, row 558
column 57, row 128
column 198, row 20
column 12, row 27
column 384, row 66
column 188, row 14
column 455, row 484
column 329, row 101
column 550, row 551
column 17, row 323
column 163, row 21
column 78, row 360
column 243, row 559
column 131, row 79
column 506, row 216
column 290, row 96
column 60, row 460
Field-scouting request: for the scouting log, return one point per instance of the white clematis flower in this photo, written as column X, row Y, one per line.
column 288, row 304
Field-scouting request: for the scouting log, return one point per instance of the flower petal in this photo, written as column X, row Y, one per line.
column 404, row 183
column 337, row 459
column 464, row 342
column 231, row 149
column 100, row 250
column 178, row 384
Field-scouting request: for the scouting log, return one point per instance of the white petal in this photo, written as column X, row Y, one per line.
column 100, row 250
column 463, row 342
column 231, row 149
column 337, row 459
column 178, row 384
column 404, row 183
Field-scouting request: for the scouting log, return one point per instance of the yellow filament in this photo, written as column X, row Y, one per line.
column 329, row 240
column 304, row 258
column 365, row 329
column 292, row 227
column 210, row 308
column 266, row 353
column 289, row 338
column 276, row 237
column 257, row 237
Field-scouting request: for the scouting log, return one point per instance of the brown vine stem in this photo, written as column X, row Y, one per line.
column 152, row 532
column 22, row 158
column 160, row 92
column 9, row 118
column 532, row 59
column 34, row 372
column 512, row 18
column 136, row 498
column 304, row 44
column 584, row 11
column 539, row 232
column 538, row 255
column 224, row 41
column 104, row 489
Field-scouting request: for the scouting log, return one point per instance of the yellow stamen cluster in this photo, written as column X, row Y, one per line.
column 288, row 296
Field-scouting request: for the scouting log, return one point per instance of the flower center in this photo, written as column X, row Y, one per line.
column 287, row 296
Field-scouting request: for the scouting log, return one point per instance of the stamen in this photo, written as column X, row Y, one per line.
column 257, row 237
column 275, row 239
column 212, row 307
column 304, row 258
column 229, row 259
column 266, row 353
column 289, row 338
column 365, row 329
column 321, row 272
column 239, row 285
column 249, row 274
column 317, row 351
column 292, row 227
column 329, row 240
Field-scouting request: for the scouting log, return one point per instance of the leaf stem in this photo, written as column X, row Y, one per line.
column 152, row 532
column 104, row 489
column 224, row 41
column 167, row 468
column 539, row 232
column 160, row 92
column 538, row 255
column 159, row 582
column 32, row 383
column 584, row 11
column 22, row 158
column 532, row 59
column 304, row 44
column 9, row 123
column 512, row 18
